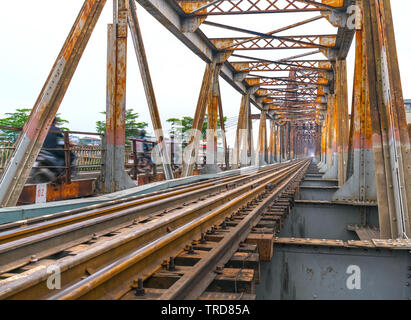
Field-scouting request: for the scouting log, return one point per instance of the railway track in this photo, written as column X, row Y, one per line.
column 25, row 241
column 117, row 250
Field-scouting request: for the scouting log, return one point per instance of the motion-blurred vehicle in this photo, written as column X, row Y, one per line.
column 47, row 168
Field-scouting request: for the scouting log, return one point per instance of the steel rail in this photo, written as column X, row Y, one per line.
column 34, row 284
column 130, row 201
column 22, row 223
column 45, row 239
column 187, row 187
column 78, row 215
column 144, row 261
column 192, row 284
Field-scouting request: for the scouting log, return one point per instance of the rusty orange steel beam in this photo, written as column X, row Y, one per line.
column 45, row 108
column 342, row 119
column 243, row 137
column 280, row 29
column 276, row 42
column 361, row 184
column 148, row 87
column 391, row 142
column 212, row 119
column 114, row 177
column 301, row 91
column 296, row 65
column 285, row 62
column 191, row 151
column 225, row 7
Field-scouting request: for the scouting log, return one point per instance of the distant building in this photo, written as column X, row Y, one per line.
column 90, row 141
column 74, row 139
column 407, row 103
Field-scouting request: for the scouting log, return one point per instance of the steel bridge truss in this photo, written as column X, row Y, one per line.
column 369, row 155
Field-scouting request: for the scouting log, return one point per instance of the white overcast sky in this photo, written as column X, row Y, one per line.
column 32, row 33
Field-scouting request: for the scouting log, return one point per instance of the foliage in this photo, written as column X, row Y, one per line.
column 181, row 127
column 132, row 126
column 18, row 118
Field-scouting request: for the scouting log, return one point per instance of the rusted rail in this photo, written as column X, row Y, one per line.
column 19, row 242
column 138, row 247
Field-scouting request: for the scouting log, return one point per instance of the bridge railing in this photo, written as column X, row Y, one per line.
column 88, row 151
column 88, row 154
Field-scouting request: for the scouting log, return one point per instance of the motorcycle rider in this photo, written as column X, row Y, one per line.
column 142, row 135
column 54, row 140
column 144, row 149
column 54, row 144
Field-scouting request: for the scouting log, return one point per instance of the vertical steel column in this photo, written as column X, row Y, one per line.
column 262, row 139
column 222, row 126
column 339, row 124
column 44, row 110
column 250, row 137
column 296, row 142
column 280, row 145
column 148, row 88
column 324, row 147
column 114, row 176
column 324, row 142
column 191, row 150
column 332, row 155
column 292, row 141
column 350, row 152
column 391, row 143
column 272, row 142
column 241, row 132
column 361, row 184
column 212, row 119
column 318, row 138
column 302, row 145
column 277, row 143
column 288, row 145
column 342, row 119
column 283, row 156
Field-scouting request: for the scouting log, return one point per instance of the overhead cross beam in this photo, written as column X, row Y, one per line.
column 248, row 66
column 298, row 24
column 230, row 7
column 275, row 42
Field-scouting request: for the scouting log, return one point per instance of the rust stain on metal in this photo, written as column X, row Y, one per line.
column 328, row 41
column 190, row 6
column 253, row 81
column 333, row 3
column 222, row 44
column 56, row 192
column 241, row 66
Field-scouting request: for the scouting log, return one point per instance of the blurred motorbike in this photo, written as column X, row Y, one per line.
column 48, row 168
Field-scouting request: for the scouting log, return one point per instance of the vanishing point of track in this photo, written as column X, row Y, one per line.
column 106, row 251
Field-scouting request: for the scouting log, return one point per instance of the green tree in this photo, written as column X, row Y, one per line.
column 18, row 118
column 181, row 127
column 132, row 126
